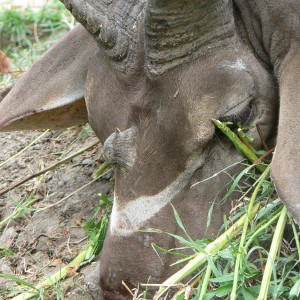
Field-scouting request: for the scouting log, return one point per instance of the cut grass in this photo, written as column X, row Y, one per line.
column 238, row 264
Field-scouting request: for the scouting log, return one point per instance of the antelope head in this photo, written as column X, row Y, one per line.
column 149, row 76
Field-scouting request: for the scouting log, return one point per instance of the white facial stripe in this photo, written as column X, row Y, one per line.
column 133, row 216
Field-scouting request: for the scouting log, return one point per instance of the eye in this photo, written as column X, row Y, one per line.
column 243, row 117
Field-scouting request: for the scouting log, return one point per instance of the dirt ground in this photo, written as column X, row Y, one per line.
column 43, row 241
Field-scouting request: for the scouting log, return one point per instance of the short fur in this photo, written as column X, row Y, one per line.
column 162, row 110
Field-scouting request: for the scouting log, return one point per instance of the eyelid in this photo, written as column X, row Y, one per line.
column 244, row 117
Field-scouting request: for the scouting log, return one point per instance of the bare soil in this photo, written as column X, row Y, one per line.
column 43, row 241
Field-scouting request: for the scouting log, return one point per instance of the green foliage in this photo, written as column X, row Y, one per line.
column 21, row 26
column 255, row 261
column 25, row 34
column 96, row 229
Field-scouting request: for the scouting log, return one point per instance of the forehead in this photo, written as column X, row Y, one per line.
column 205, row 80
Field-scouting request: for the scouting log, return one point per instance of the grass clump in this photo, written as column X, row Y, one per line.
column 22, row 27
column 25, row 34
column 252, row 259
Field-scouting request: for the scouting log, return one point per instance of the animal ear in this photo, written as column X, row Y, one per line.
column 51, row 93
column 285, row 167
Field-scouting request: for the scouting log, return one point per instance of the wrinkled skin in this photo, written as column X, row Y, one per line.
column 167, row 144
column 157, row 131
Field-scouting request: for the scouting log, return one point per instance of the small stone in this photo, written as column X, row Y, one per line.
column 5, row 269
column 77, row 160
column 7, row 237
column 88, row 162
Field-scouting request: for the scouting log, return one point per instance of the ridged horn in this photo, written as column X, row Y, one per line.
column 113, row 24
column 179, row 31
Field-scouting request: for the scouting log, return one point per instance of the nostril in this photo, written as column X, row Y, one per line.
column 120, row 148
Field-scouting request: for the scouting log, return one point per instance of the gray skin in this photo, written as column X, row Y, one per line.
column 155, row 73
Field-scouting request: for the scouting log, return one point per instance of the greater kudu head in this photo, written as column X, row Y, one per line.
column 155, row 74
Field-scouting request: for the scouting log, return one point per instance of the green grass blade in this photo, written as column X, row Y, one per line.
column 241, row 147
column 19, row 281
column 276, row 241
column 241, row 249
column 201, row 258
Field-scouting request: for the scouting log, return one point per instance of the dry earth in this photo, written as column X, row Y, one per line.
column 44, row 241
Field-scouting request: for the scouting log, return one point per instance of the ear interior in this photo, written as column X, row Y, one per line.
column 51, row 93
column 285, row 167
column 60, row 117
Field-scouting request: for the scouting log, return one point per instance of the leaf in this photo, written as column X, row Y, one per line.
column 224, row 278
column 210, row 213
column 236, row 181
column 6, row 252
column 106, row 201
column 179, row 222
column 18, row 280
column 295, row 290
column 213, row 267
column 219, row 292
column 248, row 294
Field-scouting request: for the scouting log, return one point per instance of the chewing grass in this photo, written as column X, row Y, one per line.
column 251, row 259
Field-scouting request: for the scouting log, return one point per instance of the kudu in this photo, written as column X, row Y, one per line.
column 158, row 71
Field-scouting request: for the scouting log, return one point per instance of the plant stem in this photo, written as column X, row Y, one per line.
column 276, row 241
column 55, row 277
column 201, row 258
column 101, row 169
column 242, row 148
column 18, row 211
column 205, row 282
column 67, row 159
column 296, row 238
column 262, row 228
column 244, row 233
column 243, row 138
column 85, row 256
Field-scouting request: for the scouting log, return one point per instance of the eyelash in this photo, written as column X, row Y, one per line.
column 244, row 117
